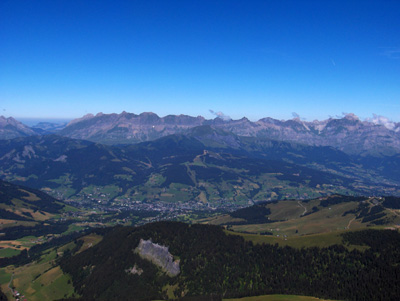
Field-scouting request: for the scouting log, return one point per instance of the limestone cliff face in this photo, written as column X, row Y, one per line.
column 348, row 134
column 128, row 127
column 159, row 255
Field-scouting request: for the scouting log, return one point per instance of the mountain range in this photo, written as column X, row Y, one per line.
column 348, row 134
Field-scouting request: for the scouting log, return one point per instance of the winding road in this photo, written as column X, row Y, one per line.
column 12, row 291
column 350, row 221
column 305, row 209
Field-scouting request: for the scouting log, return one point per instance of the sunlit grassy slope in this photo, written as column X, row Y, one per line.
column 43, row 279
column 289, row 220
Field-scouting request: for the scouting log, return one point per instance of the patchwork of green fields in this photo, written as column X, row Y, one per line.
column 43, row 279
column 7, row 252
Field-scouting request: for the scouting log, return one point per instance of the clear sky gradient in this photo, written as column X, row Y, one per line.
column 67, row 58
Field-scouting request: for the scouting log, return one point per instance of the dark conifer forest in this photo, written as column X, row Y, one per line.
column 220, row 265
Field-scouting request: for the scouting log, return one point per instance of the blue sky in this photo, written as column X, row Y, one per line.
column 64, row 59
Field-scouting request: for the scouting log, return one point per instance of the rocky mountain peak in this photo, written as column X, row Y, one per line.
column 11, row 128
column 9, row 121
column 85, row 117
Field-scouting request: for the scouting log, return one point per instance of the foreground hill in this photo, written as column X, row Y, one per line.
column 206, row 168
column 170, row 260
column 348, row 134
column 213, row 264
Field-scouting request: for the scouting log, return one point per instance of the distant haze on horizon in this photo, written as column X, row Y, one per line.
column 377, row 119
column 281, row 59
column 209, row 115
column 32, row 121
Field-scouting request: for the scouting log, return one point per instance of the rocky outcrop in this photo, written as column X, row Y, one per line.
column 159, row 255
column 135, row 270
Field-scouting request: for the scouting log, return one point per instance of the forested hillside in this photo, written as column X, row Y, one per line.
column 215, row 264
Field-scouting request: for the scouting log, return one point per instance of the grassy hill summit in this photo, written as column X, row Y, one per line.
column 289, row 219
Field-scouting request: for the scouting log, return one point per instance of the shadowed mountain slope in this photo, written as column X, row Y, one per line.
column 206, row 165
column 23, row 203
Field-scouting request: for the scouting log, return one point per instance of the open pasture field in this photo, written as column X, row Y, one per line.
column 14, row 247
column 294, row 223
column 89, row 241
column 284, row 222
column 321, row 240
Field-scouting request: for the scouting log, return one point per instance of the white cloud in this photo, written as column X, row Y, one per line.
column 392, row 53
column 221, row 115
column 382, row 120
column 295, row 115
